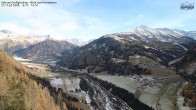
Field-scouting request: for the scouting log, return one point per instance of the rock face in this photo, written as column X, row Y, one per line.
column 113, row 51
column 47, row 50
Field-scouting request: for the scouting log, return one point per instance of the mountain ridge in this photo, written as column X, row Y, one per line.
column 99, row 53
column 51, row 50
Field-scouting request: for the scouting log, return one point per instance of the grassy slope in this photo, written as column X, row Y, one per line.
column 156, row 68
column 18, row 92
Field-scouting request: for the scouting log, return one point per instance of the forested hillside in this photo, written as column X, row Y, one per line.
column 21, row 92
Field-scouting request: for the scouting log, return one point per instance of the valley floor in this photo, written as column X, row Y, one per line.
column 160, row 93
column 164, row 96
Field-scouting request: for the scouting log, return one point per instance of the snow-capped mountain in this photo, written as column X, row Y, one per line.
column 11, row 41
column 89, row 41
column 77, row 42
column 159, row 44
column 151, row 35
column 161, row 34
column 45, row 51
column 9, row 35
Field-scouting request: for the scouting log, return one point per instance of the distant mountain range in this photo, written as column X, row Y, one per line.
column 77, row 42
column 113, row 52
column 142, row 50
column 11, row 41
column 161, row 34
column 46, row 51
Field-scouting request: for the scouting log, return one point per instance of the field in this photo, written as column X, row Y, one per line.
column 156, row 68
column 57, row 80
column 164, row 97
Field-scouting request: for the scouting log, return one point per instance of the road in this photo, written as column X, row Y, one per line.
column 105, row 100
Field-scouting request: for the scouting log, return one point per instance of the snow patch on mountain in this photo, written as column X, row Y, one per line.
column 116, row 37
column 181, row 46
column 160, row 34
column 9, row 35
column 77, row 42
column 32, row 39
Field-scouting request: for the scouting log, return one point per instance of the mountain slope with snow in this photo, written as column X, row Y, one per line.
column 77, row 42
column 11, row 41
column 112, row 52
column 161, row 34
column 187, row 64
column 45, row 51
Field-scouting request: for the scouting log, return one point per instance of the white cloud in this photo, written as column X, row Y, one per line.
column 14, row 27
column 40, row 20
column 141, row 15
column 57, row 22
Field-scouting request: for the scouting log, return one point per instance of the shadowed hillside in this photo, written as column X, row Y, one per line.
column 186, row 67
column 47, row 50
column 114, row 53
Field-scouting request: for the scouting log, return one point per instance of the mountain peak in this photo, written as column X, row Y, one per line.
column 143, row 27
column 146, row 32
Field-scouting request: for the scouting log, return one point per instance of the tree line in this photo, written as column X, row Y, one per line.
column 123, row 94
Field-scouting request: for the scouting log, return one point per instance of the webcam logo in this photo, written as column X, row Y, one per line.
column 187, row 6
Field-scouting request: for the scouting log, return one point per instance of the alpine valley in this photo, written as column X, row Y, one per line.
column 142, row 69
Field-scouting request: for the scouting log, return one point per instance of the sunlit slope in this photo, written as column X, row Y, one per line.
column 155, row 68
column 18, row 91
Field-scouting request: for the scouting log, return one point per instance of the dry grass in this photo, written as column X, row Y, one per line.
column 18, row 92
column 156, row 68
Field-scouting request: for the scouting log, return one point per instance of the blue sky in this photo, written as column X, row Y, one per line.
column 89, row 19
